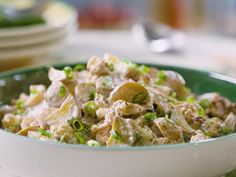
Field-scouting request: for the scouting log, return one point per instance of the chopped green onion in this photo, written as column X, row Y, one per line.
column 68, row 72
column 93, row 143
column 62, row 91
column 161, row 77
column 201, row 112
column 110, row 66
column 116, row 135
column 140, row 97
column 204, row 103
column 79, row 67
column 143, row 69
column 90, row 108
column 226, row 131
column 77, row 125
column 150, row 116
column 80, row 137
column 33, row 91
column 20, row 104
column 107, row 81
column 190, row 99
column 45, row 133
column 92, row 95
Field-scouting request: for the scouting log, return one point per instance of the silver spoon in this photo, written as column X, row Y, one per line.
column 159, row 38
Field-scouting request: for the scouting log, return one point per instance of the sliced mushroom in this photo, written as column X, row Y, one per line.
column 230, row 122
column 169, row 129
column 59, row 75
column 36, row 95
column 84, row 92
column 122, row 133
column 24, row 132
column 56, row 94
column 56, row 75
column 67, row 111
column 178, row 118
column 218, row 106
column 175, row 81
column 130, row 92
column 212, row 127
column 11, row 122
column 97, row 66
column 199, row 136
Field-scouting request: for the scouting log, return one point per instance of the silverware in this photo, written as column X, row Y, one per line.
column 158, row 37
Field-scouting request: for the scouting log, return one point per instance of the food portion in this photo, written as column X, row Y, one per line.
column 114, row 102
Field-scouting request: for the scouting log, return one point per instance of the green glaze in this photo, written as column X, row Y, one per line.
column 12, row 83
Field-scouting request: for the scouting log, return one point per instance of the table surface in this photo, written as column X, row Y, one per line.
column 202, row 52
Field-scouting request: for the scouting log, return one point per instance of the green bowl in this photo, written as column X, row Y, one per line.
column 12, row 83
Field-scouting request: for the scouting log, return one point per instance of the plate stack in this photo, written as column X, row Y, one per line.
column 34, row 40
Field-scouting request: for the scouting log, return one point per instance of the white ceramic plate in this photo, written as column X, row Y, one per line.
column 33, row 39
column 32, row 50
column 57, row 16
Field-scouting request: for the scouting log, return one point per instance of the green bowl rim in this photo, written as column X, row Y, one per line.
column 126, row 148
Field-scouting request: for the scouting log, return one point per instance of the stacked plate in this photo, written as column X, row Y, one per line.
column 35, row 40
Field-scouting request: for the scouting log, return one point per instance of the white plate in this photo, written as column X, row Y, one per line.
column 57, row 16
column 33, row 39
column 33, row 50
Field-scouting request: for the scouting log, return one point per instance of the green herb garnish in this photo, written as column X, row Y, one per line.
column 79, row 67
column 20, row 104
column 204, row 103
column 161, row 77
column 68, row 72
column 110, row 66
column 150, row 116
column 80, row 137
column 190, row 99
column 140, row 97
column 93, row 143
column 92, row 95
column 90, row 108
column 116, row 135
column 201, row 112
column 45, row 133
column 143, row 69
column 137, row 137
column 62, row 91
column 33, row 92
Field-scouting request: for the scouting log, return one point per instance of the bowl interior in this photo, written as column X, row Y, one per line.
column 13, row 83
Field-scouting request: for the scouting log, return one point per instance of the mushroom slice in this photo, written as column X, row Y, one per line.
column 143, row 135
column 56, row 75
column 199, row 136
column 230, row 122
column 24, row 132
column 67, row 111
column 169, row 129
column 84, row 92
column 179, row 119
column 130, row 92
column 122, row 133
column 126, row 109
column 56, row 94
column 212, row 127
column 36, row 95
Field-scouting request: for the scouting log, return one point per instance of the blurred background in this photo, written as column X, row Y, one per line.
column 196, row 33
